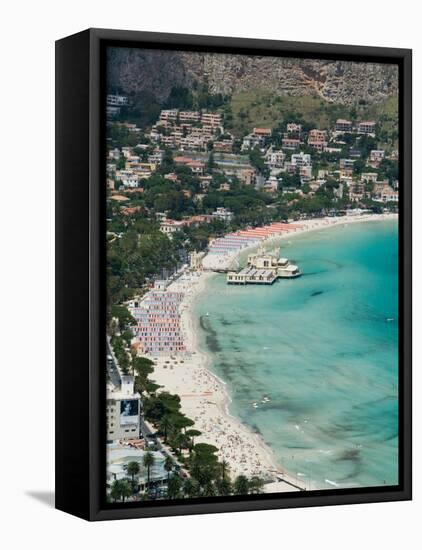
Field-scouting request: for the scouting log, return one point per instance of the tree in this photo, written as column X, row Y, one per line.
column 191, row 487
column 157, row 407
column 123, row 316
column 206, row 452
column 121, row 489
column 204, row 463
column 127, row 336
column 210, row 163
column 241, row 485
column 389, row 169
column 133, row 469
column 149, row 461
column 192, row 434
column 291, row 180
column 144, row 109
column 180, row 97
column 257, row 161
column 168, row 466
column 256, row 485
column 167, row 164
column 224, row 487
column 178, row 441
column 183, row 422
column 126, row 489
column 142, row 367
column 174, row 486
column 166, row 426
column 224, row 465
column 115, row 491
column 209, row 489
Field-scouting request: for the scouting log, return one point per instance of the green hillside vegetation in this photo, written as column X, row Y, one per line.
column 257, row 108
column 262, row 109
column 385, row 112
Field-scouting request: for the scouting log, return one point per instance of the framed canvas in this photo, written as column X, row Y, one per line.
column 233, row 274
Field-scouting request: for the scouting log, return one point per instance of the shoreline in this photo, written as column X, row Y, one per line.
column 204, row 396
column 227, row 261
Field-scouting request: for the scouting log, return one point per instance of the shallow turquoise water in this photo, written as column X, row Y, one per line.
column 323, row 348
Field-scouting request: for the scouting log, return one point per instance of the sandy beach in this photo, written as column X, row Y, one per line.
column 230, row 261
column 204, row 397
column 205, row 400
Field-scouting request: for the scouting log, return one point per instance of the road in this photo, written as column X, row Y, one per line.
column 112, row 370
column 144, row 429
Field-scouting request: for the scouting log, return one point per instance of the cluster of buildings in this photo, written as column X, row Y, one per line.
column 158, row 323
column 119, row 455
column 114, row 103
column 295, row 136
column 123, row 408
column 263, row 269
column 258, row 137
column 125, row 441
column 169, row 226
column 291, row 158
column 190, row 135
column 191, row 131
column 126, row 168
column 366, row 127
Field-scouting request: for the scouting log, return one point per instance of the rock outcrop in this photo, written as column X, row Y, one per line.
column 157, row 71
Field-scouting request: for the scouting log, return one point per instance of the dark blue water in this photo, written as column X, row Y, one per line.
column 324, row 349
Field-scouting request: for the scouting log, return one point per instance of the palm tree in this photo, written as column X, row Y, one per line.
column 115, row 490
column 132, row 469
column 241, row 485
column 224, row 487
column 209, row 489
column 191, row 487
column 168, row 466
column 174, row 486
column 256, row 485
column 224, row 465
column 125, row 489
column 149, row 461
column 121, row 489
column 166, row 426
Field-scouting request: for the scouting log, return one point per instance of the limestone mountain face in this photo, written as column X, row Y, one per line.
column 157, row 71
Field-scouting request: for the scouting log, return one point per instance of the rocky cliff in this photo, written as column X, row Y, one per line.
column 156, row 71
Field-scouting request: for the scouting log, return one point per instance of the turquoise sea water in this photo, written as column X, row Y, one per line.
column 323, row 348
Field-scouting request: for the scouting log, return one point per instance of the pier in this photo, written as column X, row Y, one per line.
column 249, row 275
column 263, row 269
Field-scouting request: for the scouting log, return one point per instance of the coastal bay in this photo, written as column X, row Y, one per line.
column 251, row 306
column 257, row 394
column 323, row 350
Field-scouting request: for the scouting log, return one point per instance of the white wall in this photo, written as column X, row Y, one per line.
column 27, row 126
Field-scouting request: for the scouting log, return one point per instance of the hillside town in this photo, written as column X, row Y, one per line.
column 343, row 162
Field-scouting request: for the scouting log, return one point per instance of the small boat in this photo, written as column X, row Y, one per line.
column 255, row 405
column 331, row 482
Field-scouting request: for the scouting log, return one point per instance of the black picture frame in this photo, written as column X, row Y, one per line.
column 80, row 273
